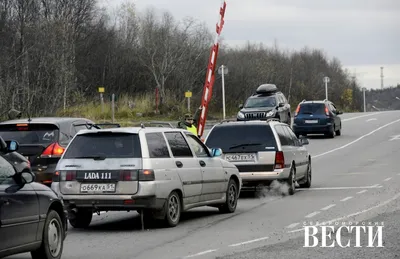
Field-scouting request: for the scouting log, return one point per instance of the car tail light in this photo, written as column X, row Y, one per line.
column 53, row 150
column 326, row 111
column 146, row 175
column 67, row 175
column 128, row 175
column 279, row 160
column 297, row 110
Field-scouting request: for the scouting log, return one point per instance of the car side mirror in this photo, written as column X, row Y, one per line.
column 339, row 112
column 240, row 106
column 304, row 141
column 27, row 177
column 216, row 152
column 280, row 105
column 12, row 145
column 24, row 178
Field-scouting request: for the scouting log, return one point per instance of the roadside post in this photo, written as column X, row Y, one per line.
column 188, row 95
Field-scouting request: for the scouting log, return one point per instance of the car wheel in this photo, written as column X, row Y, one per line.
column 291, row 181
column 80, row 218
column 339, row 131
column 307, row 183
column 52, row 239
column 231, row 198
column 173, row 214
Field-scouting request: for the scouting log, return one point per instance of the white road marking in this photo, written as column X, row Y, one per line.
column 250, row 241
column 347, row 198
column 360, row 138
column 362, row 191
column 293, row 225
column 387, row 179
column 201, row 253
column 328, row 207
column 372, row 119
column 351, row 174
column 396, row 137
column 351, row 215
column 362, row 116
column 312, row 214
column 340, row 188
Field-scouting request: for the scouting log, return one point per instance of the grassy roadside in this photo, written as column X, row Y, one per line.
column 131, row 111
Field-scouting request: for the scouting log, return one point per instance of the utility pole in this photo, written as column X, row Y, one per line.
column 381, row 77
column 326, row 81
column 365, row 108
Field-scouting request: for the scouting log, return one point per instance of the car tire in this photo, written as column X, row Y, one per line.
column 81, row 219
column 291, row 181
column 307, row 183
column 53, row 238
column 339, row 131
column 232, row 195
column 173, row 210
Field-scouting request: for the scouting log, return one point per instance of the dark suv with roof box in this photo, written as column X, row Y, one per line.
column 268, row 102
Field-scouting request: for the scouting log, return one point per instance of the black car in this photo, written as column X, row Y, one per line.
column 32, row 216
column 317, row 117
column 268, row 102
column 43, row 140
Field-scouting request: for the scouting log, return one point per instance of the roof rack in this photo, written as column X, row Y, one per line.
column 162, row 124
column 227, row 120
column 272, row 119
column 98, row 125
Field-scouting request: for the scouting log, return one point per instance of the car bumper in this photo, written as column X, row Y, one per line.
column 44, row 174
column 312, row 128
column 110, row 203
column 254, row 178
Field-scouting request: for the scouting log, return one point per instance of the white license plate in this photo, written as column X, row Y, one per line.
column 97, row 187
column 240, row 157
column 311, row 121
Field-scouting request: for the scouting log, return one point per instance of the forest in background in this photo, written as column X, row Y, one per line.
column 54, row 54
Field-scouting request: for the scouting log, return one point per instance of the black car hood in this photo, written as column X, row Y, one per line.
column 40, row 187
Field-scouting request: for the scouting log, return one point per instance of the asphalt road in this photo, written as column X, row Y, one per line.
column 355, row 179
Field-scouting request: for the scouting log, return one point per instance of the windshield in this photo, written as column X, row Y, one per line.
column 264, row 101
column 104, row 144
column 242, row 137
column 312, row 108
column 29, row 133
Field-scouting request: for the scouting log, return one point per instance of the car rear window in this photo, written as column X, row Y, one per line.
column 312, row 108
column 251, row 137
column 30, row 133
column 104, row 144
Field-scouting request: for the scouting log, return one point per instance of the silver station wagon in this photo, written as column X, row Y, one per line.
column 159, row 172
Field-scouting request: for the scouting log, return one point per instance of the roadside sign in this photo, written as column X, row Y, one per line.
column 188, row 94
column 101, row 90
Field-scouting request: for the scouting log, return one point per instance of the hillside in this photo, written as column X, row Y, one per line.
column 59, row 61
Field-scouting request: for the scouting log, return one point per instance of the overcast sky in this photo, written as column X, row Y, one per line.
column 363, row 34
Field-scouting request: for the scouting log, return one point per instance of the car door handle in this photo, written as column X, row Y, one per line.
column 179, row 164
column 202, row 163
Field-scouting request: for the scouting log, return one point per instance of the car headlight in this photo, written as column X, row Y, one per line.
column 270, row 113
column 240, row 115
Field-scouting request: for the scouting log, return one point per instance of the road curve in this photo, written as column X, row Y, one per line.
column 355, row 177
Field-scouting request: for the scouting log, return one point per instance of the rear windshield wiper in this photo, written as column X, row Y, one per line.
column 307, row 113
column 245, row 145
column 93, row 157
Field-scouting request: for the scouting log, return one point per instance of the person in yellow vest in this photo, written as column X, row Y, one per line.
column 190, row 122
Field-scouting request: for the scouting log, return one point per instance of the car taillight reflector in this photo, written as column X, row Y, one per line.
column 146, row 175
column 297, row 110
column 326, row 111
column 67, row 175
column 53, row 150
column 279, row 160
column 128, row 175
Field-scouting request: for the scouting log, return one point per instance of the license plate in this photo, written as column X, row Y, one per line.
column 311, row 121
column 97, row 187
column 240, row 157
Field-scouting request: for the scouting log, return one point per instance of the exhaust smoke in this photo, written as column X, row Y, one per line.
column 276, row 188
